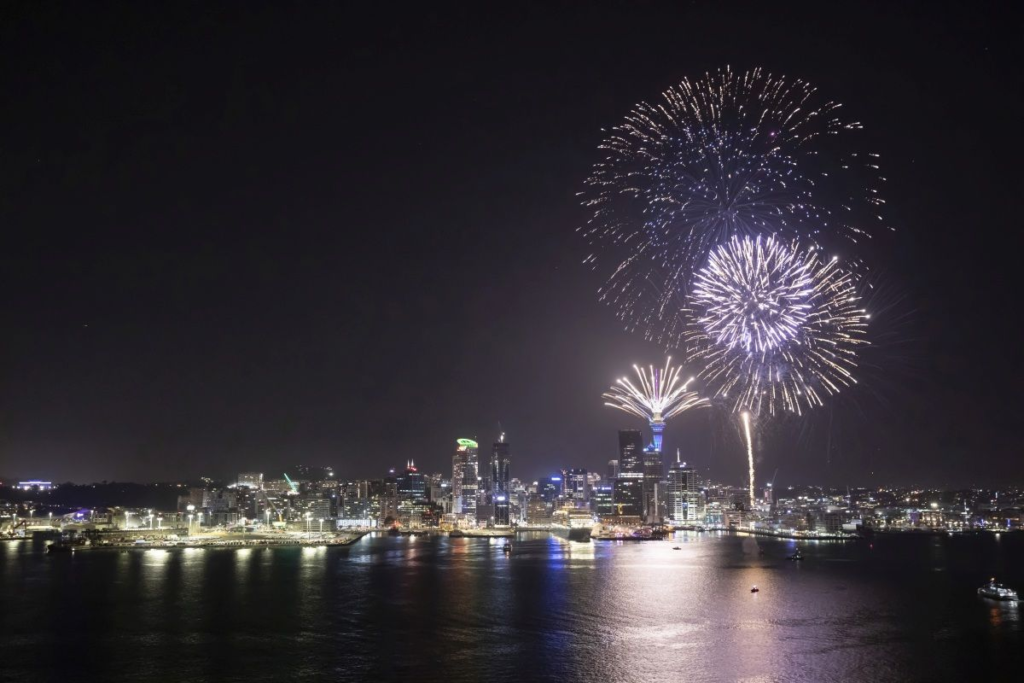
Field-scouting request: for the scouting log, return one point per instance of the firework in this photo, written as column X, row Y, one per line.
column 659, row 395
column 724, row 155
column 750, row 455
column 777, row 327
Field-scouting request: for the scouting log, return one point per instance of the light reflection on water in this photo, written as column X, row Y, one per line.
column 435, row 608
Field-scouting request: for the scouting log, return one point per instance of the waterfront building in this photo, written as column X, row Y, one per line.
column 627, row 499
column 465, row 476
column 577, row 489
column 389, row 501
column 501, row 490
column 412, row 484
column 602, row 500
column 319, row 508
column 685, row 500
column 538, row 511
column 654, row 473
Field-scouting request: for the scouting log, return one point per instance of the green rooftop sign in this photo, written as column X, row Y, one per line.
column 468, row 443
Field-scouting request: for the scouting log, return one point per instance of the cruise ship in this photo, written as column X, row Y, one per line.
column 573, row 525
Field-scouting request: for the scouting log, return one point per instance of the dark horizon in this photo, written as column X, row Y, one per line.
column 245, row 237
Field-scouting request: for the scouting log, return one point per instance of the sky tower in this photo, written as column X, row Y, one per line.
column 659, row 395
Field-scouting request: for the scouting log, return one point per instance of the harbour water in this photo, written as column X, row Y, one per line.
column 442, row 609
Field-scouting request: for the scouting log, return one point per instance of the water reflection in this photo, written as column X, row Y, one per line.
column 405, row 608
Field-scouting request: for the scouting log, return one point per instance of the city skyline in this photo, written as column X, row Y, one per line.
column 502, row 342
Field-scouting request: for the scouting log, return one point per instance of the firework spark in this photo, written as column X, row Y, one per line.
column 659, row 395
column 724, row 155
column 776, row 326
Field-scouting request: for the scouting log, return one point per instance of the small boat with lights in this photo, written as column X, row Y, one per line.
column 997, row 591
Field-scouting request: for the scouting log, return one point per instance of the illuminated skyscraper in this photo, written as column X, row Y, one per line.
column 411, row 484
column 684, row 496
column 465, row 476
column 627, row 493
column 631, row 454
column 550, row 488
column 654, row 474
column 602, row 500
column 627, row 499
column 500, row 489
column 576, row 487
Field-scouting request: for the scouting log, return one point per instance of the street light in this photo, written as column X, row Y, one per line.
column 267, row 511
column 321, row 525
column 308, row 515
column 191, row 509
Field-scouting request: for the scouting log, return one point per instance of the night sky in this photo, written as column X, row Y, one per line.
column 245, row 236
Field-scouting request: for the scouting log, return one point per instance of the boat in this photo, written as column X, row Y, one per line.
column 675, row 547
column 456, row 533
column 507, row 548
column 755, row 589
column 997, row 591
column 572, row 524
column 59, row 547
column 796, row 557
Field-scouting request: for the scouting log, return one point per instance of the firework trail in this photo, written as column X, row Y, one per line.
column 659, row 394
column 724, row 155
column 750, row 455
column 776, row 327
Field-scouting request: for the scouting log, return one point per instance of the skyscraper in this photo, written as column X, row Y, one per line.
column 631, row 454
column 654, row 474
column 627, row 499
column 549, row 488
column 576, row 488
column 411, row 484
column 500, row 489
column 684, row 497
column 458, row 472
column 465, row 476
column 627, row 492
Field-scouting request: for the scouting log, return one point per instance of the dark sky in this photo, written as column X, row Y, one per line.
column 251, row 235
